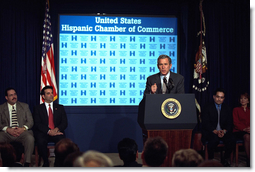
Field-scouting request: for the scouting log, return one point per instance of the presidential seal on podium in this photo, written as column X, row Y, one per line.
column 171, row 108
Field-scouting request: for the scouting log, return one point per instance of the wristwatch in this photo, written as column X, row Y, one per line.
column 25, row 128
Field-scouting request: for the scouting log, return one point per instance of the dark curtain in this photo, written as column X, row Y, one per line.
column 228, row 47
column 21, row 34
column 227, row 40
column 227, row 44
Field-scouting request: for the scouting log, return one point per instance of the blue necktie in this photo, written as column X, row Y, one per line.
column 218, row 125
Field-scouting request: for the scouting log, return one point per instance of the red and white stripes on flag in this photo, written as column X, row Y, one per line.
column 201, row 74
column 47, row 64
column 199, row 67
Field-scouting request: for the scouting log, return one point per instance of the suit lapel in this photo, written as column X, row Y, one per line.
column 6, row 113
column 170, row 76
column 158, row 80
column 221, row 113
column 19, row 113
column 173, row 79
column 55, row 112
column 44, row 112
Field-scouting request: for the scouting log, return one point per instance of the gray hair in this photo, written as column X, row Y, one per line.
column 99, row 159
column 186, row 158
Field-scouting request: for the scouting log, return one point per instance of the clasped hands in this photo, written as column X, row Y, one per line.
column 247, row 129
column 16, row 132
column 220, row 133
column 55, row 132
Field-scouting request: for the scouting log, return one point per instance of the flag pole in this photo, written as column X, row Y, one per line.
column 47, row 63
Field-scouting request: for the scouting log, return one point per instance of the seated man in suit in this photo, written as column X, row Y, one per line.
column 50, row 121
column 164, row 82
column 217, row 125
column 16, row 122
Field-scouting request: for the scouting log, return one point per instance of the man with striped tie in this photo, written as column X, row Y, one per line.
column 16, row 122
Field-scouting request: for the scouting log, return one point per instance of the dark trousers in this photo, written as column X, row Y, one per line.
column 213, row 141
column 42, row 141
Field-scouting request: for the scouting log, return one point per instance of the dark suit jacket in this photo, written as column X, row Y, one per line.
column 178, row 81
column 41, row 118
column 23, row 113
column 209, row 118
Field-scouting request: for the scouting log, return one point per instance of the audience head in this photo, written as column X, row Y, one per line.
column 128, row 150
column 93, row 159
column 70, row 159
column 219, row 96
column 154, row 152
column 186, row 158
column 210, row 163
column 7, row 154
column 63, row 148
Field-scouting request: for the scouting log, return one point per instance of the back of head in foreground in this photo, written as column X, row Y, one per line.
column 62, row 149
column 93, row 159
column 186, row 158
column 154, row 152
column 210, row 163
column 7, row 153
column 128, row 150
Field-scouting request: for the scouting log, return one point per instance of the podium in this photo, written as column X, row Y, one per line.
column 170, row 116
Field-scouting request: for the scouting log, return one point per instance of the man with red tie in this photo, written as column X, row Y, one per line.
column 50, row 121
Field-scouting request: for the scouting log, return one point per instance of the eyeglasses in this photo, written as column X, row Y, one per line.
column 220, row 97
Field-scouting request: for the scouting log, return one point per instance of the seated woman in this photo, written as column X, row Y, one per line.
column 241, row 120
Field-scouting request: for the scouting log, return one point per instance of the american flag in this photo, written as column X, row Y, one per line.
column 201, row 74
column 199, row 67
column 47, row 65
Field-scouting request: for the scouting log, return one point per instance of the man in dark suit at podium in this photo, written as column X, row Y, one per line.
column 50, row 121
column 164, row 82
